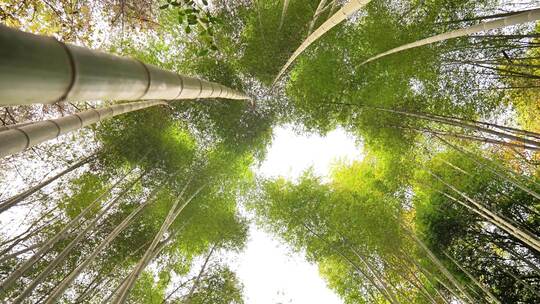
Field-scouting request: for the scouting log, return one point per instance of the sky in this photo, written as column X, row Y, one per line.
column 270, row 272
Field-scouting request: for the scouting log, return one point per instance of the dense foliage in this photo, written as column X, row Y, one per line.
column 443, row 208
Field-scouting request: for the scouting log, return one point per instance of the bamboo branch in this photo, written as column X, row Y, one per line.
column 523, row 17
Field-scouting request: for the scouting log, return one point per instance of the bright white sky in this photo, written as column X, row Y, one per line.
column 290, row 154
column 270, row 272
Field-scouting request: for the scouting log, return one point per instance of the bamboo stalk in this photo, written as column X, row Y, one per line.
column 361, row 271
column 410, row 276
column 12, row 201
column 372, row 269
column 28, row 289
column 332, row 8
column 441, row 267
column 492, row 217
column 59, row 290
column 21, row 138
column 322, row 3
column 36, row 69
column 430, row 277
column 283, row 13
column 24, row 239
column 15, row 275
column 345, row 12
column 110, row 277
column 510, row 179
column 199, row 276
column 485, row 17
column 469, row 124
column 481, row 126
column 30, row 231
column 524, row 17
column 174, row 212
column 376, row 274
column 476, row 282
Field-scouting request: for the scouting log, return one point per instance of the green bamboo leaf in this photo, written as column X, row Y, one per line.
column 192, row 19
column 203, row 52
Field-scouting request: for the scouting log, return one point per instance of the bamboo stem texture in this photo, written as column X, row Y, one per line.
column 37, row 69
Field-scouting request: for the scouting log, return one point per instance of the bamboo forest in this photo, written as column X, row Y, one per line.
column 133, row 133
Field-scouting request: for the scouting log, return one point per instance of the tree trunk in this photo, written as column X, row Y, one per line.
column 118, row 289
column 345, row 12
column 123, row 263
column 65, row 252
column 198, row 278
column 523, row 225
column 283, row 13
column 525, row 284
column 493, row 218
column 507, row 72
column 171, row 216
column 415, row 281
column 462, row 124
column 28, row 233
column 486, row 17
column 7, row 257
column 365, row 261
column 19, row 139
column 10, row 202
column 471, row 124
column 160, row 247
column 499, row 245
column 332, row 9
column 73, row 275
column 316, row 15
column 517, row 18
column 90, row 287
column 456, row 168
column 8, row 282
column 38, row 69
column 23, row 239
column 175, row 290
column 485, row 124
column 481, row 63
column 432, row 278
column 439, row 265
column 480, row 139
column 376, row 274
column 381, row 289
column 472, row 278
column 507, row 178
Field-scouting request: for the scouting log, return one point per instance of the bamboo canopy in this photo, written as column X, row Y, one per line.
column 345, row 12
column 524, row 17
column 37, row 69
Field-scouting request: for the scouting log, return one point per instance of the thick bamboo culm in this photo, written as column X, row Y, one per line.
column 37, row 69
column 526, row 16
column 18, row 139
column 345, row 12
